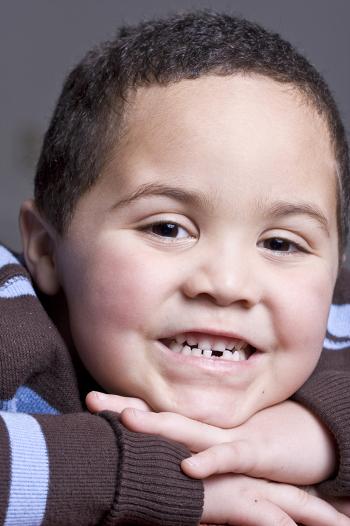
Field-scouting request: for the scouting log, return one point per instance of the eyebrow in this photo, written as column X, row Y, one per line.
column 196, row 198
column 283, row 208
column 276, row 209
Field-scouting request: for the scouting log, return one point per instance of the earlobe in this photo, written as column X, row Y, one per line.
column 38, row 248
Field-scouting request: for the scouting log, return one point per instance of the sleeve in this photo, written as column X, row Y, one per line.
column 327, row 391
column 327, row 395
column 82, row 469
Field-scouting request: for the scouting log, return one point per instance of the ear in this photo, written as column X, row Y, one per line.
column 38, row 246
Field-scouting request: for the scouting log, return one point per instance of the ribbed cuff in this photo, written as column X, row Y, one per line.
column 151, row 488
column 327, row 395
column 83, row 462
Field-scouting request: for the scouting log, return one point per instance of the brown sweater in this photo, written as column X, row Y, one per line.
column 61, row 465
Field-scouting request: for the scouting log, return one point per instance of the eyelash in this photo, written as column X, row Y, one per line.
column 297, row 248
column 148, row 228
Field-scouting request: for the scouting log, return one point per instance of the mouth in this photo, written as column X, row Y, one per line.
column 209, row 347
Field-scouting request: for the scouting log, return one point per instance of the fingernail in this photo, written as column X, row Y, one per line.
column 99, row 396
column 191, row 461
column 138, row 412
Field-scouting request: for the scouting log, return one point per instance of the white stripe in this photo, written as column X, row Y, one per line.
column 15, row 287
column 6, row 258
column 339, row 321
column 336, row 346
column 29, row 471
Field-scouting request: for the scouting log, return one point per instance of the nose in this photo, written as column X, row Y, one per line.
column 225, row 276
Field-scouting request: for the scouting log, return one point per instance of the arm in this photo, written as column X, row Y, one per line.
column 285, row 443
column 67, row 470
column 82, row 469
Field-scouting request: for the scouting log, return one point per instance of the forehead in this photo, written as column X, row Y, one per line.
column 227, row 128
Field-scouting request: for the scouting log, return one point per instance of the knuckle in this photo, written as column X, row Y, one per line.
column 284, row 521
column 342, row 520
column 246, row 461
column 303, row 497
column 212, row 458
column 165, row 418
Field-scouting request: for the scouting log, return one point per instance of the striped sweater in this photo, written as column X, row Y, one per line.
column 61, row 465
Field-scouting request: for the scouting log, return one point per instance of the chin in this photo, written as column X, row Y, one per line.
column 222, row 420
column 213, row 408
column 220, row 416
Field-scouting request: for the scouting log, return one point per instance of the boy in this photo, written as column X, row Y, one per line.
column 191, row 191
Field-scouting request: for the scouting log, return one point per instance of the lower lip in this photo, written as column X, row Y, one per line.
column 215, row 365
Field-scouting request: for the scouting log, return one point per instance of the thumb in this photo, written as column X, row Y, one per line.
column 229, row 457
column 96, row 401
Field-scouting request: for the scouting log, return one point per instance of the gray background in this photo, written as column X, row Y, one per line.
column 41, row 39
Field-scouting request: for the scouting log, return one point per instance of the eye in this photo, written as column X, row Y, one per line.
column 279, row 244
column 168, row 229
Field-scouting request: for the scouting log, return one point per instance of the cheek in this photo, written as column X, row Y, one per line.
column 123, row 289
column 112, row 298
column 302, row 318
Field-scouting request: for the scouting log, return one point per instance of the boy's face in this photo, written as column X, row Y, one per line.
column 214, row 224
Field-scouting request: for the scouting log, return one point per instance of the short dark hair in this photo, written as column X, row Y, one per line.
column 87, row 117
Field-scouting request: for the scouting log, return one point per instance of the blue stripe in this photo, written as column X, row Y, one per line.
column 15, row 287
column 25, row 400
column 29, row 471
column 6, row 258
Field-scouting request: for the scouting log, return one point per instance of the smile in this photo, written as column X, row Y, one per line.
column 209, row 347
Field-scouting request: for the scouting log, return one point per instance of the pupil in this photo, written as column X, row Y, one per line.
column 165, row 229
column 279, row 244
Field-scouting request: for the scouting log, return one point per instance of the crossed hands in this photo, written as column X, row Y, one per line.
column 249, row 472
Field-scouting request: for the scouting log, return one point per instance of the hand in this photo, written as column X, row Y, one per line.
column 229, row 499
column 286, row 442
column 245, row 501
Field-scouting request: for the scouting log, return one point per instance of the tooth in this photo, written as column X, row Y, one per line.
column 219, row 345
column 186, row 350
column 229, row 345
column 205, row 345
column 227, row 355
column 175, row 347
column 191, row 340
column 235, row 356
column 180, row 338
column 207, row 353
column 242, row 355
column 196, row 352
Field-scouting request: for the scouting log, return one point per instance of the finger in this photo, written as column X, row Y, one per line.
column 96, row 401
column 304, row 507
column 195, row 435
column 262, row 513
column 341, row 504
column 230, row 457
column 239, row 504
